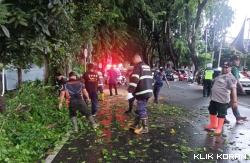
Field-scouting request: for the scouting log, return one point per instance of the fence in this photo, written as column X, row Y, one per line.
column 11, row 77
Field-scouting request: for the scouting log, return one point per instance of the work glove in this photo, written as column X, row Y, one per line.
column 129, row 96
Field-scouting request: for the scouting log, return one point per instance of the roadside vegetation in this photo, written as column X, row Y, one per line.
column 31, row 124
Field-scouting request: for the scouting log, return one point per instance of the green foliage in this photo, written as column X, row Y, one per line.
column 57, row 30
column 79, row 69
column 24, row 132
column 204, row 59
column 3, row 19
column 182, row 50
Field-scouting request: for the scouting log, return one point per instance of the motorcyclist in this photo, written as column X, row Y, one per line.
column 245, row 70
column 190, row 77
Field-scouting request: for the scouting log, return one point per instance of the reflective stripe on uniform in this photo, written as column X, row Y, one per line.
column 146, row 68
column 100, row 84
column 136, row 75
column 143, row 92
column 133, row 84
column 146, row 77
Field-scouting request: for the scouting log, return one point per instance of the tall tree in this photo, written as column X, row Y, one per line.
column 191, row 32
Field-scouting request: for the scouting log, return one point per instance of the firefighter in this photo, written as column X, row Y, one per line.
column 140, row 87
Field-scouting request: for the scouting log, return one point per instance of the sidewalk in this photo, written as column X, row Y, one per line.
column 174, row 136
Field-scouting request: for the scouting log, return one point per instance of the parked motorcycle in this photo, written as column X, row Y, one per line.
column 121, row 80
column 200, row 79
column 190, row 78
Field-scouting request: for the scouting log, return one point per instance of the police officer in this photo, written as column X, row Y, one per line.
column 73, row 90
column 207, row 84
column 159, row 78
column 224, row 84
column 141, row 87
column 91, row 79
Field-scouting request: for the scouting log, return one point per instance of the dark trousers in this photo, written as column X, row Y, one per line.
column 131, row 103
column 156, row 91
column 94, row 101
column 207, row 85
column 141, row 108
column 219, row 109
column 78, row 105
column 100, row 89
column 110, row 89
column 236, row 110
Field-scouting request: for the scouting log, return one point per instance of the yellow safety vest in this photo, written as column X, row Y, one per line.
column 209, row 74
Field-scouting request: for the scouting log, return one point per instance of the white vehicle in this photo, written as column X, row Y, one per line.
column 245, row 82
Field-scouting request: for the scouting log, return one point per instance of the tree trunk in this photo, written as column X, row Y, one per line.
column 191, row 34
column 46, row 69
column 144, row 54
column 151, row 61
column 19, row 77
column 2, row 104
column 2, row 99
column 162, row 58
column 173, row 56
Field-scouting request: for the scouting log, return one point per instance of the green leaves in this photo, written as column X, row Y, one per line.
column 18, row 18
column 24, row 136
column 5, row 30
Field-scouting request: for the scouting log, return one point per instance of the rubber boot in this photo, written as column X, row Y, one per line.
column 213, row 122
column 135, row 124
column 237, row 115
column 102, row 96
column 75, row 127
column 220, row 125
column 91, row 119
column 144, row 127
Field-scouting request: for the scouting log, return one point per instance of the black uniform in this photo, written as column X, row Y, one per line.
column 91, row 83
column 141, row 87
column 74, row 100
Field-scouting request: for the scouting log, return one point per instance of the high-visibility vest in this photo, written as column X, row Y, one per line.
column 209, row 74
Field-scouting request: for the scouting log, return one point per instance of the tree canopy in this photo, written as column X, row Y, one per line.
column 55, row 32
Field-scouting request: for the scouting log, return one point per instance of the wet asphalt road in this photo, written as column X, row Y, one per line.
column 236, row 136
column 189, row 140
